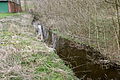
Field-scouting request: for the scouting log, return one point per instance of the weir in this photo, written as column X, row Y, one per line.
column 86, row 62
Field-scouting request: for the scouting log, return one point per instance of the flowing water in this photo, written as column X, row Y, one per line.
column 86, row 62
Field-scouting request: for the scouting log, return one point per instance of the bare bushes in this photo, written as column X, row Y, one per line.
column 92, row 21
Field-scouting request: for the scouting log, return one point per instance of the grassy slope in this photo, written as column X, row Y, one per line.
column 23, row 57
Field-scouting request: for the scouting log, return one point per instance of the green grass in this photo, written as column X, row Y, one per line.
column 2, row 15
column 68, row 37
column 33, row 59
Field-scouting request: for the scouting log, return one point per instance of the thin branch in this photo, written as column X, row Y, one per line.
column 112, row 3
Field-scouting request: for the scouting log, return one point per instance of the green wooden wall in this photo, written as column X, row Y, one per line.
column 3, row 7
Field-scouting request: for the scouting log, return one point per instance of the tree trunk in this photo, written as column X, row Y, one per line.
column 25, row 5
column 118, row 18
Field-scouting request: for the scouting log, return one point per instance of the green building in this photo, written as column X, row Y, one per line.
column 10, row 6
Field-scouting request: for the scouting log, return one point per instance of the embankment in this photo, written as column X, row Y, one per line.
column 86, row 62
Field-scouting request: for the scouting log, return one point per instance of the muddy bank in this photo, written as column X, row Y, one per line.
column 86, row 62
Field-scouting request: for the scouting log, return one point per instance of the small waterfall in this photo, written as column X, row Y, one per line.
column 86, row 62
column 40, row 31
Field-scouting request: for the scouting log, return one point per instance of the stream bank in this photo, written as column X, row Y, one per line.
column 86, row 62
column 24, row 57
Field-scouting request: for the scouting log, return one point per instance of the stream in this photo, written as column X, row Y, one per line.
column 86, row 62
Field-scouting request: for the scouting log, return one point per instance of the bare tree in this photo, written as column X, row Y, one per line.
column 92, row 22
column 25, row 5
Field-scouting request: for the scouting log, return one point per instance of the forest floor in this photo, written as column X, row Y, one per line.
column 24, row 57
